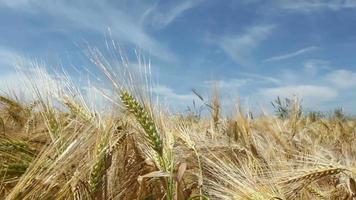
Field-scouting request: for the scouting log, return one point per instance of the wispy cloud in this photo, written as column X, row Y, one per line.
column 174, row 101
column 7, row 57
column 312, row 95
column 293, row 54
column 313, row 5
column 314, row 66
column 263, row 78
column 161, row 16
column 227, row 84
column 342, row 78
column 28, row 75
column 123, row 20
column 11, row 59
column 167, row 92
column 240, row 47
column 15, row 3
column 319, row 84
column 305, row 91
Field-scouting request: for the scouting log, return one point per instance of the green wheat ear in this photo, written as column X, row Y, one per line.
column 145, row 120
column 102, row 162
column 2, row 126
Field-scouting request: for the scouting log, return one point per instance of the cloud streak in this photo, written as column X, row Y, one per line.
column 169, row 94
column 240, row 47
column 293, row 54
column 172, row 99
column 7, row 57
column 161, row 16
column 342, row 78
column 227, row 84
column 124, row 21
column 11, row 60
column 314, row 5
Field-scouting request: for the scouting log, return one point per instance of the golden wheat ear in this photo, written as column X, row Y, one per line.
column 315, row 192
column 14, row 110
column 312, row 176
column 10, row 102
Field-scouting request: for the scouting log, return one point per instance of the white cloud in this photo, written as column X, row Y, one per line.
column 258, row 77
column 14, row 3
column 293, row 54
column 26, row 78
column 124, row 21
column 305, row 91
column 23, row 83
column 342, row 78
column 8, row 84
column 312, row 95
column 170, row 95
column 312, row 67
column 172, row 100
column 8, row 57
column 161, row 16
column 227, row 84
column 27, row 84
column 313, row 5
column 240, row 47
column 308, row 72
column 10, row 62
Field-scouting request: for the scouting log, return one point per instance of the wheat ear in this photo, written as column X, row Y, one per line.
column 102, row 163
column 2, row 126
column 145, row 120
column 312, row 176
column 78, row 110
column 314, row 191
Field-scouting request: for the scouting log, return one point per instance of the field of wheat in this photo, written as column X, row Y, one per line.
column 58, row 147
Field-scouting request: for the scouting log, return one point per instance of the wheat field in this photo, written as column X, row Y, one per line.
column 57, row 146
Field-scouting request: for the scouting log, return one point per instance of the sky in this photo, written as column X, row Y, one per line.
column 252, row 50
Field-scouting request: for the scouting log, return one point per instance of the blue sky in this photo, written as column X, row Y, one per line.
column 254, row 50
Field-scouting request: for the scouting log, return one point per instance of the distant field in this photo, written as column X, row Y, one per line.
column 58, row 147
